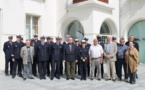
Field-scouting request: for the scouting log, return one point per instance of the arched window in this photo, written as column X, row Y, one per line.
column 75, row 30
column 105, row 29
column 104, row 32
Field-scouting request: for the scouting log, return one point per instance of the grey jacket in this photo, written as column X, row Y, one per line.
column 24, row 54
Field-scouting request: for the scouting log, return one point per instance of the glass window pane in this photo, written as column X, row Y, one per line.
column 105, row 29
column 35, row 20
column 75, row 30
column 28, row 32
column 28, row 20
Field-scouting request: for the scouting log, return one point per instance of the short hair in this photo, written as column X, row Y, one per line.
column 109, row 36
column 122, row 39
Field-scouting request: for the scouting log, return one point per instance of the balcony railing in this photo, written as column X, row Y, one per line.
column 78, row 1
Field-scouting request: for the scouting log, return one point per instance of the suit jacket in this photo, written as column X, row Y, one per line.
column 113, row 51
column 8, row 50
column 24, row 54
column 83, row 53
column 70, row 55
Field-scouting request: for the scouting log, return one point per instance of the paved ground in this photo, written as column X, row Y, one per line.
column 7, row 83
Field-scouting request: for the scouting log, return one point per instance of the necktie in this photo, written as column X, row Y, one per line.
column 70, row 47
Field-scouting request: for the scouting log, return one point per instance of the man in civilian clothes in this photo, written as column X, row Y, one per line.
column 57, row 50
column 88, row 47
column 102, row 65
column 121, row 59
column 43, row 52
column 70, row 58
column 63, row 67
column 8, row 50
column 27, row 53
column 50, row 43
column 17, row 60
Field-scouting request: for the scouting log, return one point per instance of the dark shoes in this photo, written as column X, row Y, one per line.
column 31, row 78
column 67, row 78
column 58, row 77
column 114, row 80
column 51, row 78
column 73, row 78
column 13, row 76
column 107, row 79
column 24, row 79
column 99, row 79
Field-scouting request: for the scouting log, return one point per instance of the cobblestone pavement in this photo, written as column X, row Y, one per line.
column 7, row 83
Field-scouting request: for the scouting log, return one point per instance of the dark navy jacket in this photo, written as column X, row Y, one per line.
column 102, row 44
column 43, row 51
column 83, row 53
column 16, row 49
column 57, row 52
column 8, row 50
column 88, row 46
column 70, row 55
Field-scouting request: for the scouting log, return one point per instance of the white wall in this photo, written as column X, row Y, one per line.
column 131, row 11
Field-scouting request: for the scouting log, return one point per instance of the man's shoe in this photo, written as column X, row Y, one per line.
column 13, row 76
column 44, row 77
column 41, row 78
column 67, row 78
column 20, row 75
column 24, row 79
column 92, row 79
column 51, row 78
column 73, row 78
column 7, row 74
column 99, row 79
column 31, row 78
column 114, row 80
column 107, row 79
column 58, row 77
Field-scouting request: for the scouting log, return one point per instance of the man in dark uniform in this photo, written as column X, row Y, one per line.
column 34, row 43
column 88, row 64
column 17, row 60
column 102, row 65
column 70, row 58
column 49, row 42
column 22, row 40
column 43, row 52
column 8, row 50
column 77, row 65
column 131, row 39
column 57, row 50
column 83, row 57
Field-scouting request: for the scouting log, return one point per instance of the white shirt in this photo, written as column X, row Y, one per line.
column 95, row 51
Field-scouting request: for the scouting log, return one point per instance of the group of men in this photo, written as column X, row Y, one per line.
column 53, row 59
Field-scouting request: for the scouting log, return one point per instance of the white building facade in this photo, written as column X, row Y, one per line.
column 79, row 18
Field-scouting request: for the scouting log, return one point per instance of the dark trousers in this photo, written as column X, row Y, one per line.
column 77, row 69
column 88, row 68
column 120, row 63
column 61, row 67
column 133, row 78
column 102, row 70
column 48, row 66
column 17, row 62
column 55, row 68
column 116, row 66
column 70, row 69
column 7, row 66
column 83, row 69
column 42, row 66
column 35, row 66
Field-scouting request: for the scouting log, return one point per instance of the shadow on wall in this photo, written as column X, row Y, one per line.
column 130, row 7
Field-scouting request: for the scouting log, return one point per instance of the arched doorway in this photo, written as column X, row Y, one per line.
column 138, row 31
column 105, row 31
column 75, row 30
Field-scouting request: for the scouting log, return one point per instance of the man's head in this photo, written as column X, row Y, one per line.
column 122, row 41
column 98, row 37
column 95, row 41
column 77, row 41
column 83, row 43
column 114, row 39
column 131, row 38
column 70, row 40
column 48, row 39
column 109, row 38
column 42, row 38
column 10, row 38
column 51, row 39
column 36, row 36
column 28, row 42
column 67, row 37
column 86, row 39
column 18, row 37
column 58, row 39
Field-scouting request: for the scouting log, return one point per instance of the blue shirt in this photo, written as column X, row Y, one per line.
column 121, row 49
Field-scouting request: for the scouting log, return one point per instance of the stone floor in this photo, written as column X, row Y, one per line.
column 7, row 83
